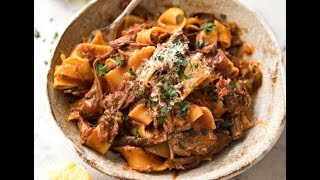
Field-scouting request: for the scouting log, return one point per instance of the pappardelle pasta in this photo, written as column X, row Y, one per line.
column 169, row 92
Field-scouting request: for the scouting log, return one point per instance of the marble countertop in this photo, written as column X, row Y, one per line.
column 52, row 149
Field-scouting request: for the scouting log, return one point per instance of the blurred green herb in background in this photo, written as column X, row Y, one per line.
column 36, row 34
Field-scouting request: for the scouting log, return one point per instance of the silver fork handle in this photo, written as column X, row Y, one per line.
column 125, row 12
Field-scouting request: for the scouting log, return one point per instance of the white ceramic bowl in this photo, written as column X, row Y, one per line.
column 268, row 105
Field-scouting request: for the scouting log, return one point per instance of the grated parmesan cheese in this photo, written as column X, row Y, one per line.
column 165, row 64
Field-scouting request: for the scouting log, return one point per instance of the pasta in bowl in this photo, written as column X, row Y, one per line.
column 170, row 92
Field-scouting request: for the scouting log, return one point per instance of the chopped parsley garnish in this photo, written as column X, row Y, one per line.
column 133, row 75
column 137, row 134
column 151, row 103
column 161, row 119
column 184, row 106
column 185, row 14
column 192, row 133
column 197, row 67
column 165, row 109
column 154, row 99
column 203, row 132
column 188, row 76
column 163, row 113
column 141, row 93
column 55, row 36
column 181, row 74
column 201, row 43
column 36, row 34
column 182, row 60
column 223, row 16
column 176, row 41
column 183, row 109
column 121, row 63
column 116, row 59
column 167, row 91
column 102, row 69
column 233, row 84
column 45, row 62
column 171, row 92
column 160, row 58
column 207, row 27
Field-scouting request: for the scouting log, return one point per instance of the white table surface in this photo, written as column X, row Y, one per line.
column 52, row 149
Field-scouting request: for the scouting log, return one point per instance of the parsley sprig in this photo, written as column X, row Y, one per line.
column 132, row 73
column 233, row 84
column 161, row 119
column 137, row 134
column 201, row 44
column 192, row 133
column 102, row 69
column 207, row 27
column 184, row 106
column 223, row 16
column 37, row 34
column 167, row 91
column 181, row 74
column 121, row 63
column 181, row 59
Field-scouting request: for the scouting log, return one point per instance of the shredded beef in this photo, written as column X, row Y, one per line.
column 185, row 144
column 132, row 141
column 237, row 127
column 190, row 162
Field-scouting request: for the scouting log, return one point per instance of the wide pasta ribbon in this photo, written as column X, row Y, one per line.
column 172, row 19
column 193, row 24
column 76, row 71
column 152, row 36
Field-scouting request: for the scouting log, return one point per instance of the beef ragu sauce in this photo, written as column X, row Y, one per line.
column 168, row 93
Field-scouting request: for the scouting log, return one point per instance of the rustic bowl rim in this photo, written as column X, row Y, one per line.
column 235, row 172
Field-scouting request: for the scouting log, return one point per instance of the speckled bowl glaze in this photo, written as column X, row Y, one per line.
column 268, row 105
